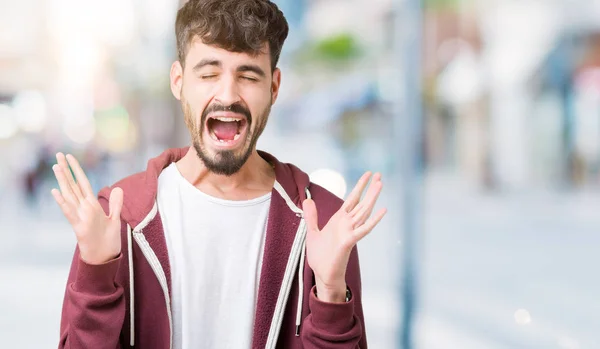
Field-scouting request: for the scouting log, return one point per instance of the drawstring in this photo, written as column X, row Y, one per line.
column 131, row 288
column 301, row 276
column 300, row 289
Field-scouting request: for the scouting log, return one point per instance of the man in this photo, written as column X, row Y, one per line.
column 217, row 245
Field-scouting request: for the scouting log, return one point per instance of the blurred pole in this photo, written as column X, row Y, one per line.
column 408, row 132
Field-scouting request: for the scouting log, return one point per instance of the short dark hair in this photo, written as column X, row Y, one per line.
column 233, row 25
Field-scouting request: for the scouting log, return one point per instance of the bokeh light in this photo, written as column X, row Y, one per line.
column 522, row 317
column 8, row 124
column 30, row 110
column 330, row 180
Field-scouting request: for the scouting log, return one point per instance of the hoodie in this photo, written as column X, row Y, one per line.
column 126, row 302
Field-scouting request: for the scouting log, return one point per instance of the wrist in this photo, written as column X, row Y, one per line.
column 331, row 294
column 94, row 259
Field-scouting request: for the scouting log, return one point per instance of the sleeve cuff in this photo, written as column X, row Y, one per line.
column 335, row 317
column 97, row 279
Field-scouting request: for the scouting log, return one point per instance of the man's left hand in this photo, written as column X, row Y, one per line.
column 328, row 250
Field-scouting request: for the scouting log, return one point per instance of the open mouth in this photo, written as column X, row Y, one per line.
column 226, row 129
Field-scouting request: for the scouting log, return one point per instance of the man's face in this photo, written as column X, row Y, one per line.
column 226, row 99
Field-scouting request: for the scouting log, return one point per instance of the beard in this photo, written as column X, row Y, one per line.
column 224, row 162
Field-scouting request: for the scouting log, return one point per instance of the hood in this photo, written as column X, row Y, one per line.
column 139, row 190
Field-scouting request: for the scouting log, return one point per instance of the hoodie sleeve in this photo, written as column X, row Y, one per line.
column 93, row 309
column 337, row 325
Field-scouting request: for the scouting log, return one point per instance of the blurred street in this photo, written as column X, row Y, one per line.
column 482, row 262
column 488, row 256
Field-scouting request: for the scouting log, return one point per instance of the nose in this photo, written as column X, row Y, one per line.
column 227, row 91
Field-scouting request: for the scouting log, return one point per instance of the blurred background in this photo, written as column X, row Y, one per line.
column 482, row 115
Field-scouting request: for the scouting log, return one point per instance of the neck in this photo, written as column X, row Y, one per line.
column 254, row 179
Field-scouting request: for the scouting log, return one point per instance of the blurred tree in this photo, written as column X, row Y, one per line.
column 334, row 53
column 338, row 47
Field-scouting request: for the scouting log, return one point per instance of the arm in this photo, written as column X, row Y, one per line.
column 332, row 255
column 94, row 304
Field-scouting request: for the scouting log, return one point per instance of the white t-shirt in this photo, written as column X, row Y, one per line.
column 215, row 251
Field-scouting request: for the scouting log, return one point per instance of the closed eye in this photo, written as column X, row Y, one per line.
column 250, row 78
column 208, row 76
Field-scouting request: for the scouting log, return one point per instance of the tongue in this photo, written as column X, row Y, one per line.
column 225, row 130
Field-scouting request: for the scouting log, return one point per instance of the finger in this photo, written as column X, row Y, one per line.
column 354, row 196
column 366, row 228
column 65, row 188
column 370, row 195
column 82, row 180
column 363, row 210
column 62, row 162
column 115, row 203
column 310, row 214
column 65, row 207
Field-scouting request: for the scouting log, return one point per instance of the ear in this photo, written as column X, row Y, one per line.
column 276, row 82
column 176, row 79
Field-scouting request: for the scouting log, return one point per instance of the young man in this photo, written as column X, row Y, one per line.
column 217, row 245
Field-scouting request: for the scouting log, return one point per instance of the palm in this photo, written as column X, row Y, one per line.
column 328, row 250
column 98, row 235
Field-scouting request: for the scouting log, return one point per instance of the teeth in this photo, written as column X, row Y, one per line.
column 226, row 119
column 236, row 137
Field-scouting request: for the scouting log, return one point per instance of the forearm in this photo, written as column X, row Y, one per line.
column 93, row 308
column 332, row 325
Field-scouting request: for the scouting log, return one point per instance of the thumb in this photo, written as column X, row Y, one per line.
column 310, row 214
column 115, row 203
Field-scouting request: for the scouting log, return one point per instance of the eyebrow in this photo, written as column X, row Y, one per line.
column 241, row 69
column 251, row 68
column 205, row 62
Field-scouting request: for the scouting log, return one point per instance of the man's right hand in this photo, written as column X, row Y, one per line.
column 98, row 235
